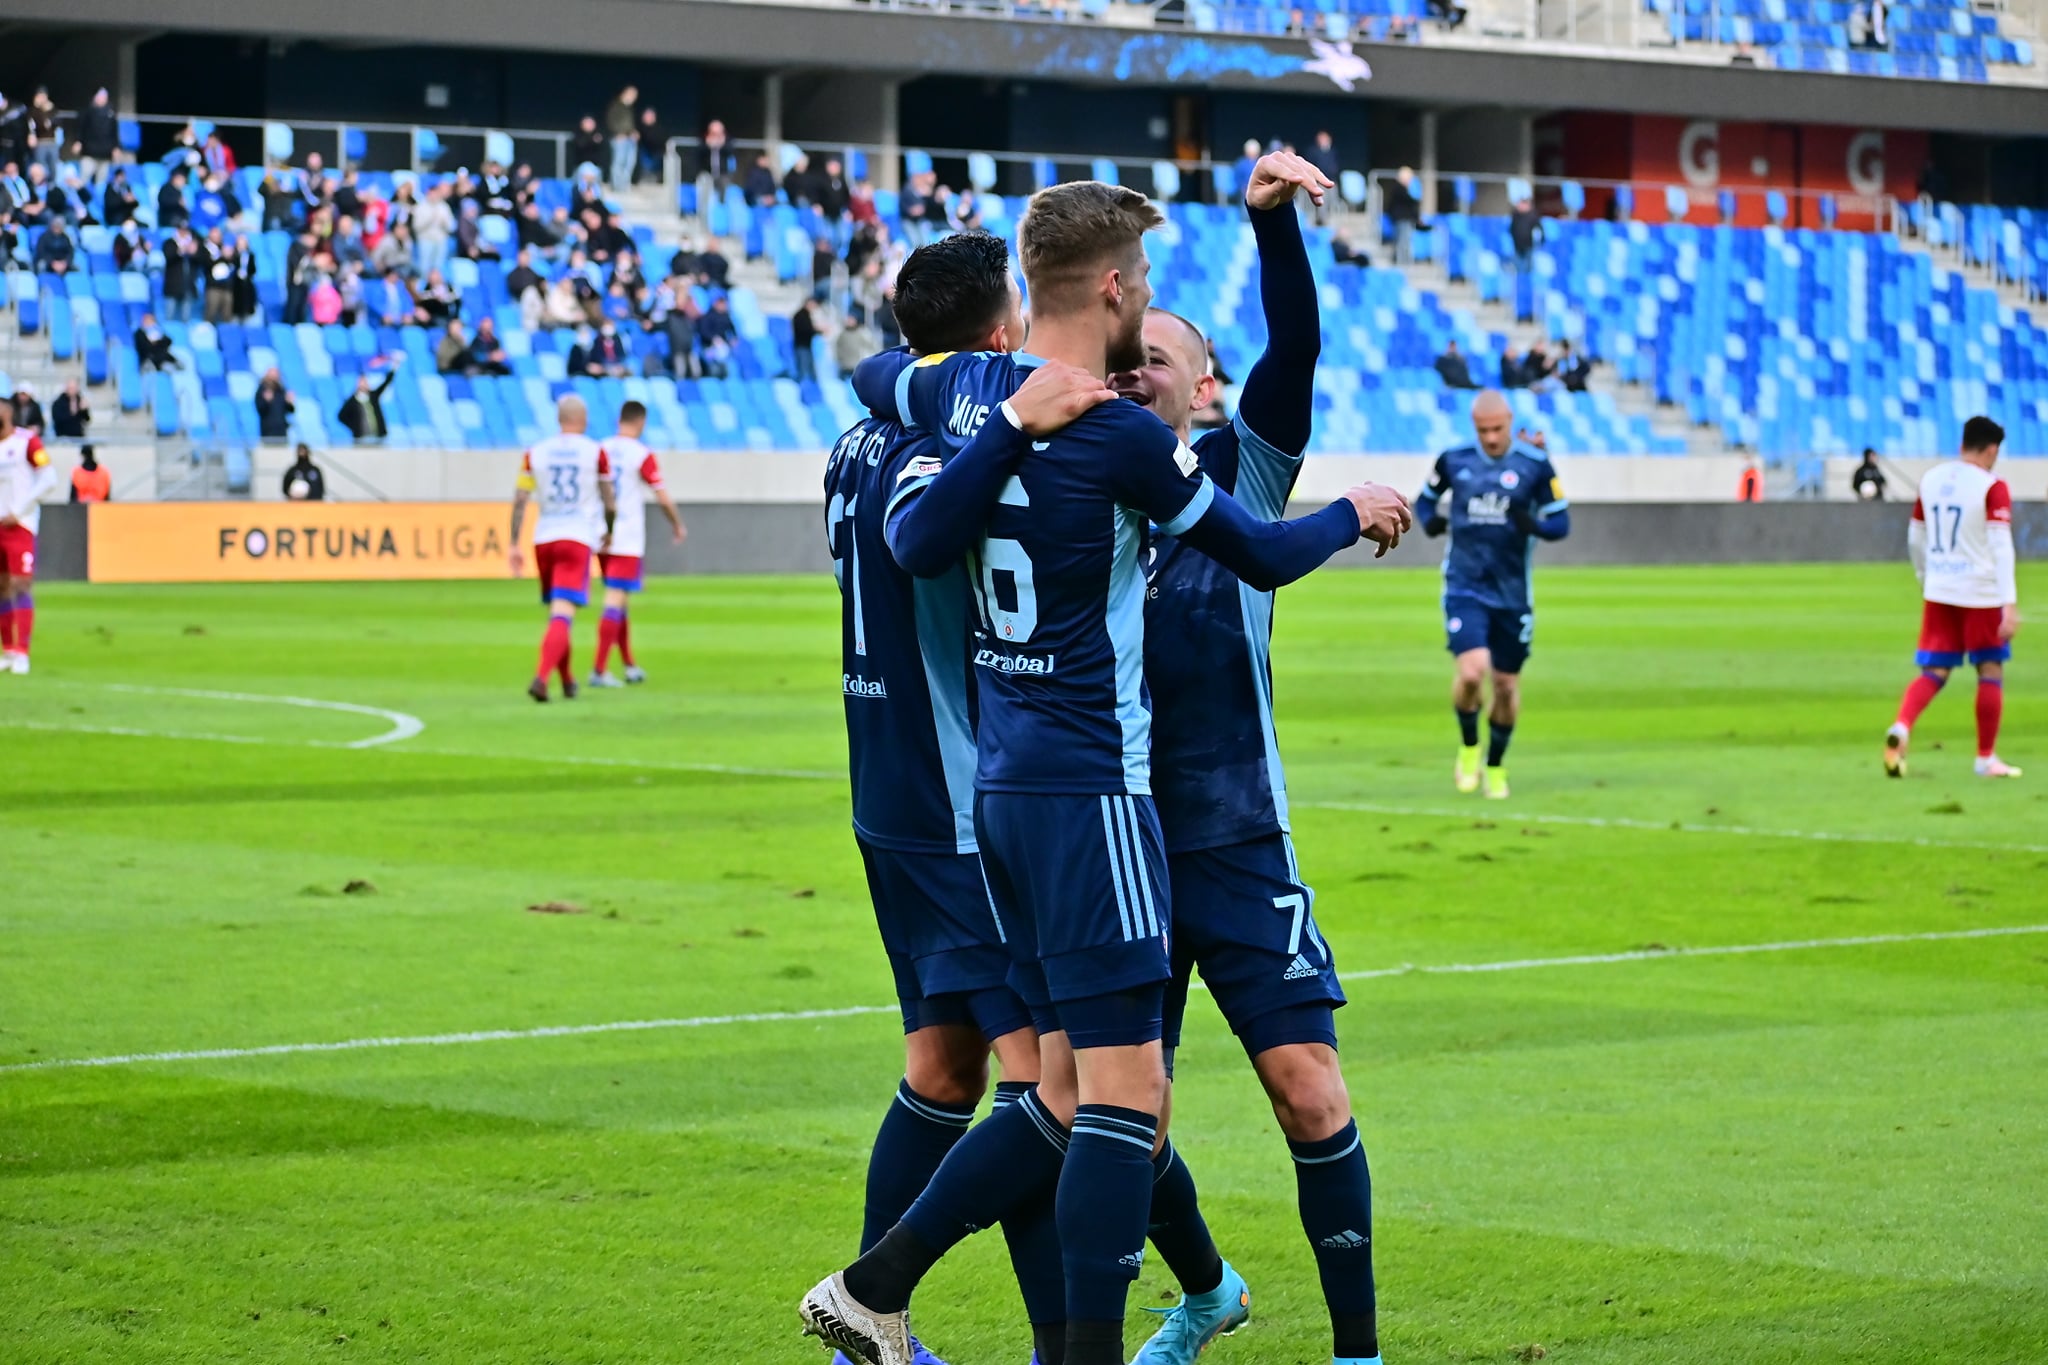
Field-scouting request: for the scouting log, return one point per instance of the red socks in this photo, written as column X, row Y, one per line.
column 1990, row 708
column 625, row 639
column 25, row 626
column 611, row 630
column 7, row 625
column 1919, row 693
column 554, row 648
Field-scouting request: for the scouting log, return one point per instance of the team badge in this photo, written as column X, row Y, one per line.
column 1509, row 478
column 1456, row 623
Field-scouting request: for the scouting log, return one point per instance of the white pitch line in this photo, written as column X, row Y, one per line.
column 1668, row 826
column 849, row 1011
column 403, row 726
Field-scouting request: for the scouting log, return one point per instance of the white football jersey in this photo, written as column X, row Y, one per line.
column 25, row 474
column 635, row 474
column 563, row 472
column 1967, row 513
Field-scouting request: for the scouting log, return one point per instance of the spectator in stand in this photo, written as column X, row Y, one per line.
column 55, row 250
column 117, row 202
column 498, row 198
column 301, row 263
column 804, row 330
column 1539, row 370
column 586, row 194
column 760, row 187
column 90, row 482
column 324, row 303
column 184, row 266
column 13, row 130
column 280, row 204
column 1573, row 369
column 538, row 233
column 73, row 200
column 170, row 202
column 681, row 326
column 349, row 283
column 563, row 307
column 715, row 158
column 433, row 224
column 217, row 157
column 1343, row 252
column 823, row 260
column 45, row 146
column 436, row 302
column 274, row 406
column 1403, row 207
column 522, row 278
column 313, row 192
column 600, row 354
column 303, row 481
column 486, row 352
column 346, row 246
column 856, row 342
column 348, row 196
column 622, row 131
column 395, row 254
column 1512, row 373
column 1750, row 486
column 713, row 269
column 14, row 186
column 219, row 264
column 152, row 346
column 1241, row 170
column 470, row 242
column 604, row 238
column 1322, row 154
column 1454, row 369
column 404, row 200
column 835, row 196
column 915, row 209
column 99, row 136
column 362, row 416
column 69, row 413
column 212, row 205
column 451, row 353
column 1525, row 230
column 587, row 145
column 715, row 332
column 387, row 301
column 650, row 146
column 1867, row 483
column 10, row 240
column 1449, row 13
column 28, row 413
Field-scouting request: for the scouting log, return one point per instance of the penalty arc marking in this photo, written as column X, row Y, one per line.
column 403, row 726
column 853, row 1011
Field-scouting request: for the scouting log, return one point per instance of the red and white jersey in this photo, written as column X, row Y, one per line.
column 1965, row 514
column 636, row 474
column 563, row 472
column 25, row 475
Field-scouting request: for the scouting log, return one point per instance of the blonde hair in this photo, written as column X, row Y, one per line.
column 1071, row 233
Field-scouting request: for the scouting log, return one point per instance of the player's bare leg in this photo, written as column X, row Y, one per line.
column 1333, row 1186
column 1507, row 709
column 1468, row 694
column 1919, row 694
column 554, row 652
column 611, row 630
column 1990, row 710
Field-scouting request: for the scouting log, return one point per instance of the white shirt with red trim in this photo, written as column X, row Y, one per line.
column 25, row 475
column 1965, row 515
column 562, row 472
column 637, row 475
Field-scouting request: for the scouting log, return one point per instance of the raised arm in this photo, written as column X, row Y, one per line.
column 1277, row 403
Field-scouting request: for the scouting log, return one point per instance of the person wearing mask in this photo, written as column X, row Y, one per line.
column 90, row 482
column 274, row 406
column 303, row 481
column 69, row 413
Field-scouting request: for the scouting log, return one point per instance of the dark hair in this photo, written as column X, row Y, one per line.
column 1981, row 433
column 1070, row 232
column 633, row 411
column 950, row 292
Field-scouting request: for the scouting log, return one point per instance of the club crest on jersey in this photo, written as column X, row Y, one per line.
column 923, row 466
column 1509, row 478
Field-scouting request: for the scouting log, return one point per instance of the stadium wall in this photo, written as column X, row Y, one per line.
column 755, row 537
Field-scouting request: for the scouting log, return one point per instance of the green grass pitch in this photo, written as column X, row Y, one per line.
column 1821, row 1154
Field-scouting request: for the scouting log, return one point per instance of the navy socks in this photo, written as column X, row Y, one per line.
column 914, row 1138
column 1334, row 1188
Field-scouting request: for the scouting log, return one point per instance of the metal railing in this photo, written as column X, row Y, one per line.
column 384, row 146
column 1493, row 195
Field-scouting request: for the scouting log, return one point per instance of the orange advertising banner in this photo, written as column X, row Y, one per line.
column 294, row 542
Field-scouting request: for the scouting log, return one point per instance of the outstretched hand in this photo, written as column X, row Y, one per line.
column 1277, row 175
column 1056, row 394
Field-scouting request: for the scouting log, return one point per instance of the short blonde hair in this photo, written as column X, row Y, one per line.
column 1071, row 233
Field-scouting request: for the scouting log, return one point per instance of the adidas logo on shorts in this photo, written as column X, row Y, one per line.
column 1136, row 1260
column 1346, row 1240
column 1300, row 969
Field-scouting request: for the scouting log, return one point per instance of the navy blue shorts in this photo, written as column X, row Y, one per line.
column 945, row 947
column 1243, row 917
column 1510, row 635
column 1080, row 887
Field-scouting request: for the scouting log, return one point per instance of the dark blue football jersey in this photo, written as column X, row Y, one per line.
column 903, row 649
column 1490, row 503
column 1216, row 771
column 1059, row 592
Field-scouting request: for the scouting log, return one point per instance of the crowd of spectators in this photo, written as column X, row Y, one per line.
column 1539, row 368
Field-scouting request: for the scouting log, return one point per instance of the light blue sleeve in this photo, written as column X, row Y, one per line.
column 1265, row 474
